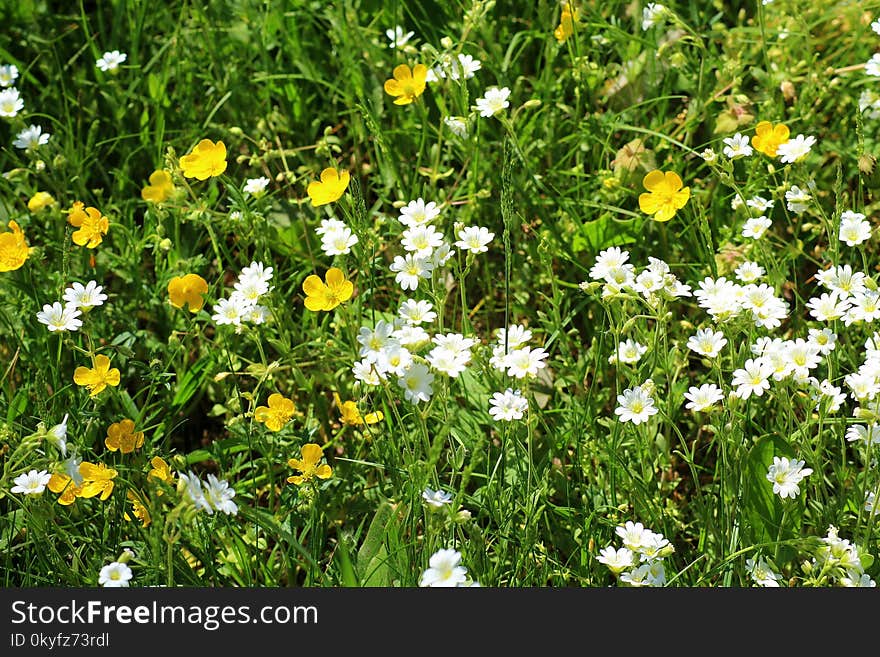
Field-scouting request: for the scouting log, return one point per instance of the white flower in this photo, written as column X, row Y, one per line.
column 444, row 570
column 394, row 359
column 232, row 310
column 803, row 357
column 374, row 340
column 633, row 534
column 824, row 339
column 824, row 390
column 436, row 498
column 257, row 271
column 218, row 494
column 10, row 102
column 608, row 260
column 652, row 14
column 416, row 383
column 753, row 378
column 494, row 100
column 457, row 126
column 111, row 60
column 797, row 199
column 707, row 342
column 870, row 500
column 635, row 405
column 441, row 255
column 828, row 307
column 8, row 75
column 737, row 146
column 410, row 270
column 328, row 225
column 410, row 335
column 709, row 157
column 421, row 240
column 857, row 579
column 397, row 37
column 455, row 342
column 417, row 213
column 749, row 272
column 417, row 312
column 85, row 297
column 31, row 483
column 464, row 67
column 508, row 405
column 872, row 67
column 616, row 560
column 755, row 227
column 114, row 575
column 785, row 475
column 628, row 351
column 869, row 103
column 865, row 307
column 474, row 239
column 192, row 489
column 57, row 435
column 525, row 362
column 842, row 280
column 703, row 398
column 338, row 241
column 760, row 203
column 31, row 137
column 876, row 26
column 854, row 229
column 60, row 318
column 256, row 186
column 867, row 434
column 367, row 373
column 795, row 149
column 762, row 574
column 448, row 361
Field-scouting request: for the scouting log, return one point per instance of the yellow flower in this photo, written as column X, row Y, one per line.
column 92, row 227
column 160, row 187
column 160, row 471
column 39, row 201
column 277, row 413
column 566, row 24
column 122, row 436
column 321, row 296
column 77, row 214
column 769, row 137
column 98, row 377
column 188, row 290
column 408, row 84
column 97, row 480
column 352, row 416
column 14, row 248
column 330, row 188
column 206, row 160
column 308, row 466
column 665, row 195
column 60, row 483
column 139, row 509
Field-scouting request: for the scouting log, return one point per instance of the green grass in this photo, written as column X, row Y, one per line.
column 293, row 88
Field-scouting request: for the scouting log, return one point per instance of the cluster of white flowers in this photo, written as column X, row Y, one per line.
column 213, row 495
column 243, row 305
column 78, row 299
column 843, row 560
column 511, row 354
column 850, row 297
column 640, row 561
column 454, row 67
column 336, row 237
column 724, row 299
column 11, row 102
column 445, row 570
column 654, row 283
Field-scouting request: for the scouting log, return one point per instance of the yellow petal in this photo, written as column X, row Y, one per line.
column 649, row 203
column 654, row 180
column 334, row 277
column 323, row 471
column 402, row 72
column 673, row 181
column 311, row 453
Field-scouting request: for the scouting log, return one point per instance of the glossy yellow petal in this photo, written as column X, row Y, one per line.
column 323, row 471
column 311, row 454
column 654, row 180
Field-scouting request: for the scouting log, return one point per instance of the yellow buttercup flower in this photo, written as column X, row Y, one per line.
column 160, row 471
column 308, row 466
column 139, row 508
column 14, row 248
column 566, row 24
column 665, row 195
column 122, row 436
column 39, row 201
column 768, row 137
column 331, row 187
column 188, row 290
column 160, row 187
column 407, row 84
column 351, row 415
column 98, row 377
column 97, row 480
column 277, row 413
column 92, row 227
column 326, row 296
column 205, row 161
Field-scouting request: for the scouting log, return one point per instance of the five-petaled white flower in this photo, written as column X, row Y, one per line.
column 444, row 570
column 785, row 475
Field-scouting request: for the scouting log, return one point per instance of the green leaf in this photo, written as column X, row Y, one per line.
column 607, row 231
column 372, row 558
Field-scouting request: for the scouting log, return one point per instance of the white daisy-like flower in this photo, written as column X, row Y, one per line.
column 418, row 213
column 508, row 405
column 854, row 228
column 494, row 101
column 416, row 383
column 85, row 297
column 417, row 312
column 628, row 351
column 795, row 149
column 749, row 272
column 397, row 37
column 10, row 102
column 436, row 498
column 410, row 270
column 703, row 398
column 111, row 60
column 457, row 125
column 872, row 66
column 8, row 75
column 737, row 146
column 115, row 575
column 755, row 227
column 256, row 186
column 635, row 405
column 444, row 570
column 31, row 138
column 60, row 318
column 474, row 239
column 786, row 474
column 31, row 483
